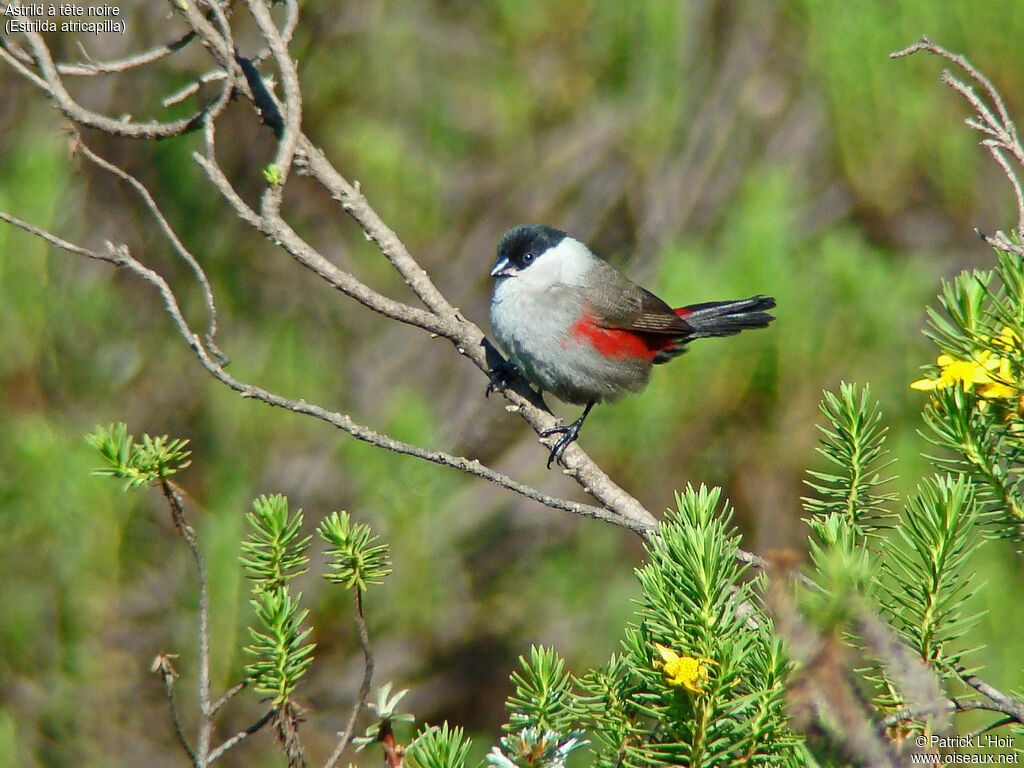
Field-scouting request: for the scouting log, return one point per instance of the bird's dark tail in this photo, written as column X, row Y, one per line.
column 726, row 318
column 719, row 318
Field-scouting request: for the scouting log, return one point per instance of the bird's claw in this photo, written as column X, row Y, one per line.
column 569, row 434
column 501, row 377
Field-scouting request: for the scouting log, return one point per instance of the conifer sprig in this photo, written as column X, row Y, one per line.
column 280, row 654
column 928, row 564
column 275, row 550
column 273, row 553
column 355, row 557
column 543, row 696
column 854, row 444
column 977, row 404
column 439, row 746
column 153, row 460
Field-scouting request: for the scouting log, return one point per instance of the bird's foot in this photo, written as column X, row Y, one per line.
column 501, row 377
column 568, row 433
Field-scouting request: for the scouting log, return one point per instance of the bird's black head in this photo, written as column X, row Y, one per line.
column 521, row 245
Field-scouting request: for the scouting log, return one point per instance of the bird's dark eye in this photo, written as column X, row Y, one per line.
column 527, row 258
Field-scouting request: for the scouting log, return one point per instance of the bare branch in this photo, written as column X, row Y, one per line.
column 997, row 125
column 280, row 233
column 238, row 737
column 163, row 666
column 173, row 495
column 356, row 205
column 129, row 62
column 364, row 688
column 153, row 129
column 924, row 44
column 441, row 319
column 229, row 694
column 120, row 256
column 165, row 227
column 1008, row 705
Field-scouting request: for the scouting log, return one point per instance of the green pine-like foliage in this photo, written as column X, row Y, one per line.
column 697, row 603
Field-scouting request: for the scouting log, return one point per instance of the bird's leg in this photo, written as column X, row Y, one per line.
column 569, row 433
column 502, row 374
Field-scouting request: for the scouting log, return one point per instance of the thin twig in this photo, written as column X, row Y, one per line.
column 238, row 737
column 10, row 54
column 121, row 257
column 129, row 62
column 173, row 496
column 165, row 227
column 229, row 694
column 1008, row 705
column 364, row 688
column 154, row 129
column 291, row 106
column 180, row 95
column 997, row 125
column 162, row 665
column 109, row 256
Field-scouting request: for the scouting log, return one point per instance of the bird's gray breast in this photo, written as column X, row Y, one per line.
column 535, row 328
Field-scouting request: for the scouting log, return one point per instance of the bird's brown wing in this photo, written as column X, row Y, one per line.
column 625, row 305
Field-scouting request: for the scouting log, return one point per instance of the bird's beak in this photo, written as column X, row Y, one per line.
column 502, row 268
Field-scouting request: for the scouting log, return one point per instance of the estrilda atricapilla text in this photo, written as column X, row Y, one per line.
column 579, row 329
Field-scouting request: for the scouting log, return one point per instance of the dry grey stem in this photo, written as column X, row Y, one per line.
column 994, row 122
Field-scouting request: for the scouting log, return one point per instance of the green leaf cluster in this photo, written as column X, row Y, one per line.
column 854, row 444
column 917, row 576
column 978, row 427
column 439, row 746
column 144, row 463
column 356, row 559
column 698, row 604
column 274, row 553
column 543, row 696
column 281, row 654
column 930, row 581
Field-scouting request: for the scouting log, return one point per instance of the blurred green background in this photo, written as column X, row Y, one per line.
column 710, row 149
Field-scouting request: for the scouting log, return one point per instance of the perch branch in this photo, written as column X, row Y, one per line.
column 439, row 318
column 120, row 256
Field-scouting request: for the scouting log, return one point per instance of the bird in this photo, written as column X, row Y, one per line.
column 577, row 328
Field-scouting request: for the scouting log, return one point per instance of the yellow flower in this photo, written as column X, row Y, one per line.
column 989, row 373
column 996, row 387
column 1007, row 338
column 688, row 672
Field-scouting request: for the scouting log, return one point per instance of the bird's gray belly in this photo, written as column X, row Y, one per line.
column 539, row 343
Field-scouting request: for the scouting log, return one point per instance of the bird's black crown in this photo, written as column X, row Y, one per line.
column 522, row 244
